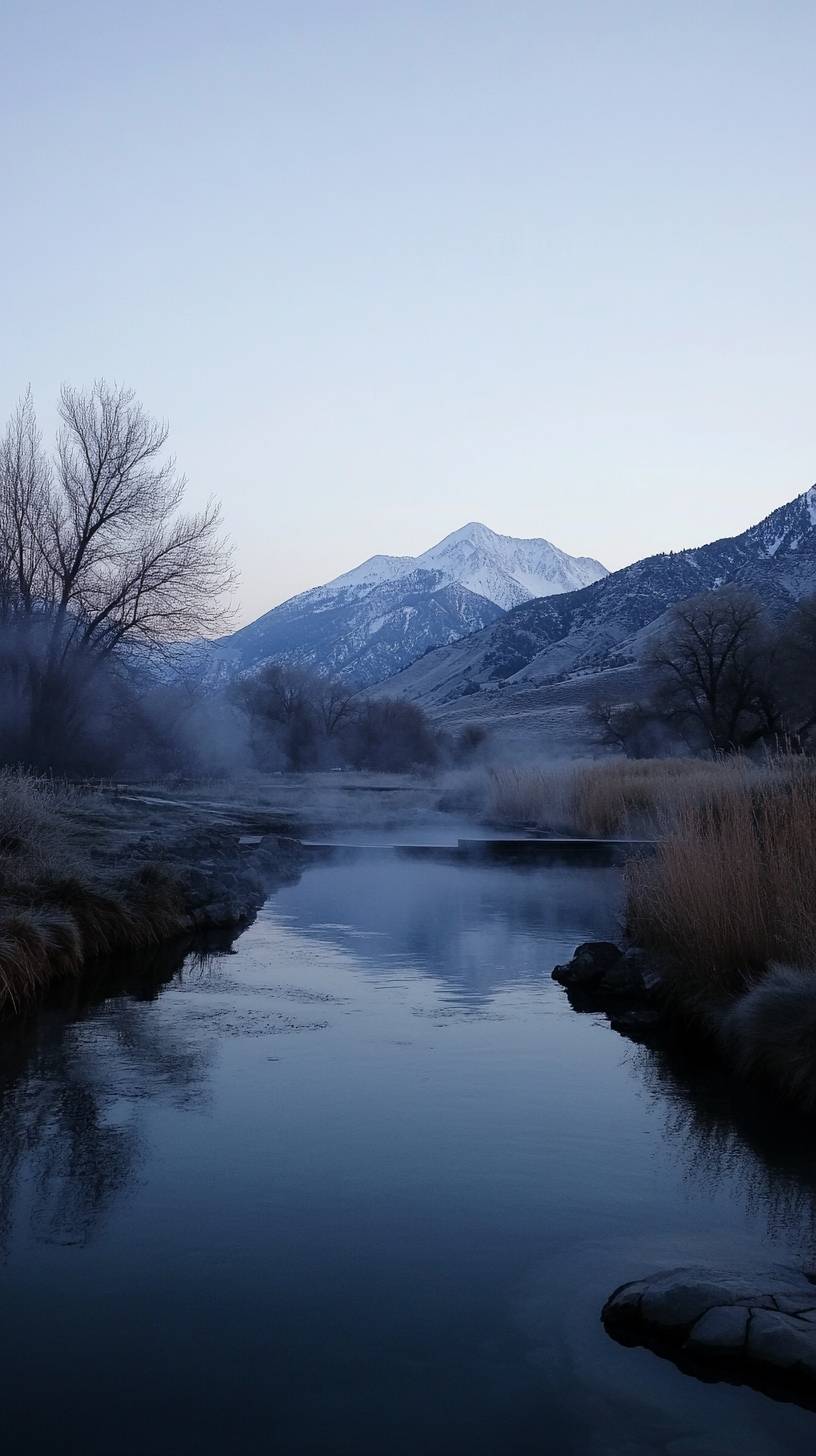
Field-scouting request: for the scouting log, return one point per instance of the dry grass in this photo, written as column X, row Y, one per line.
column 57, row 911
column 538, row 796
column 614, row 796
column 634, row 796
column 732, row 885
column 35, row 832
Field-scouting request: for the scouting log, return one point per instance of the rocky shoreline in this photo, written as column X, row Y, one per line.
column 626, row 985
column 765, row 1033
column 757, row 1329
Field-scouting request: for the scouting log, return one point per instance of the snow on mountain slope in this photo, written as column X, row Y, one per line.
column 508, row 570
column 598, row 626
column 375, row 619
column 372, row 572
column 361, row 632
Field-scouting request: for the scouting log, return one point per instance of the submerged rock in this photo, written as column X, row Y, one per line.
column 757, row 1329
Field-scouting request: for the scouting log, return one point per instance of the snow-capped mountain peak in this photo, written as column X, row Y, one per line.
column 507, row 569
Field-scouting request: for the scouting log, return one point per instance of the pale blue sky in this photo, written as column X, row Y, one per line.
column 389, row 267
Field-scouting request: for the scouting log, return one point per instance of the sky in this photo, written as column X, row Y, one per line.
column 390, row 267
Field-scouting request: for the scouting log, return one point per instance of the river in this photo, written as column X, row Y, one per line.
column 359, row 1183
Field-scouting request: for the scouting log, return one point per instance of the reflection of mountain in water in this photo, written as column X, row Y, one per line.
column 476, row 928
column 72, row 1078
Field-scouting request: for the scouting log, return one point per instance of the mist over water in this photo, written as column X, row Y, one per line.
column 362, row 1184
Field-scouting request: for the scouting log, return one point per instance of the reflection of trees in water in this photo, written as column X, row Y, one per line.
column 72, row 1077
column 738, row 1135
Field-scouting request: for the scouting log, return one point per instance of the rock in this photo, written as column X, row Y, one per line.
column 622, row 980
column 782, row 1340
column 630, row 975
column 792, row 1304
column 759, row 1329
column 626, row 1300
column 722, row 1330
column 589, row 963
column 678, row 1299
column 599, row 954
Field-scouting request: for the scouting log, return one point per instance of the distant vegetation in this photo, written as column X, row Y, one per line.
column 727, row 675
column 298, row 720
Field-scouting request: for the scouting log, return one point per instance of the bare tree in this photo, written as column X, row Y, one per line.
column 334, row 701
column 127, row 567
column 797, row 666
column 619, row 725
column 715, row 670
column 96, row 555
column 25, row 508
column 280, row 702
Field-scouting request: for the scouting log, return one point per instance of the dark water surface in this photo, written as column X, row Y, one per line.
column 362, row 1187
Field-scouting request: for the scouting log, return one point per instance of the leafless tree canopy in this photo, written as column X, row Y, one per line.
column 94, row 545
column 99, row 566
column 716, row 662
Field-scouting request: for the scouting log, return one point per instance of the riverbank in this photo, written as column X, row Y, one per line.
column 87, row 873
column 720, row 916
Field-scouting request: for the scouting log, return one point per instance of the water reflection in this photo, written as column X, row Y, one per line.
column 427, row 1206
column 476, row 928
column 72, row 1078
column 734, row 1136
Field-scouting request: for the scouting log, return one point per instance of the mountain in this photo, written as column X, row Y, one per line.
column 363, row 631
column 599, row 626
column 375, row 619
column 506, row 570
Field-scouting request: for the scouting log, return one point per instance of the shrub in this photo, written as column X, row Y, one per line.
column 770, row 1032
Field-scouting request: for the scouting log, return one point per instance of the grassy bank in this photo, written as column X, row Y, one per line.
column 85, row 874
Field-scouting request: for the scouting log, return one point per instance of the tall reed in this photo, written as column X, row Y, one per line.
column 731, row 887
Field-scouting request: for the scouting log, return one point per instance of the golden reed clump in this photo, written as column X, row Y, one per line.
column 731, row 888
